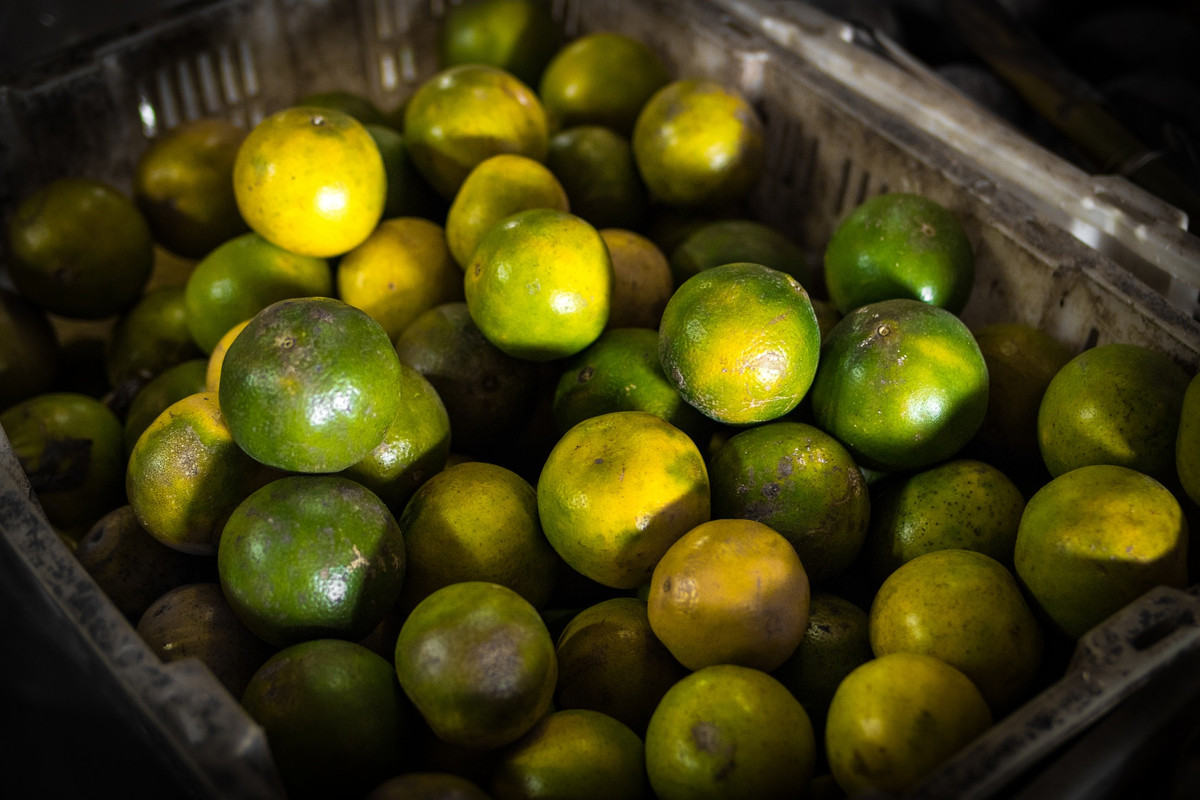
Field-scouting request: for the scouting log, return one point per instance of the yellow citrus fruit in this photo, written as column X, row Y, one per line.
column 359, row 106
column 803, row 484
column 1095, row 539
column 617, row 490
column 183, row 183
column 408, row 193
column 896, row 718
column 1021, row 361
column 573, row 753
column 729, row 591
column 642, row 282
column 901, row 384
column 310, row 385
column 961, row 504
column 428, row 785
column 403, row 269
column 79, row 248
column 498, row 187
column 464, row 114
column 212, row 374
column 620, row 371
column 596, row 168
column 476, row 660
column 966, row 609
column 29, row 349
column 151, row 336
column 698, row 144
column 132, row 567
column 899, row 245
column 310, row 180
column 242, row 277
column 71, row 447
column 740, row 342
column 186, row 474
column 333, row 715
column 519, row 36
column 194, row 620
column 539, row 284
column 476, row 521
column 173, row 383
column 489, row 395
column 602, row 78
column 609, row 660
column 728, row 731
column 725, row 241
column 1113, row 404
column 415, row 446
column 1187, row 442
column 311, row 557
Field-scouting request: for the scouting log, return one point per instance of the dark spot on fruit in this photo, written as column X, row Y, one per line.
column 586, row 373
column 771, row 490
column 598, row 461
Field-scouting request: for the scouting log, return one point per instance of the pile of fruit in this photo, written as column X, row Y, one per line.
column 487, row 447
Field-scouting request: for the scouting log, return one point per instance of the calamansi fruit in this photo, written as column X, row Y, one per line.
column 519, row 36
column 310, row 180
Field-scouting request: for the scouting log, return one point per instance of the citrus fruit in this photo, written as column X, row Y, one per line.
column 609, row 660
column 311, row 557
column 595, row 166
column 620, row 371
column 740, row 342
column 216, row 359
column 428, row 786
column 573, row 753
column 601, row 78
column 478, row 663
column 186, row 474
column 489, row 395
column 617, row 490
column 194, row 620
column 1021, row 360
column 966, row 609
column 463, row 114
column 725, row 241
column 835, row 641
column 476, row 521
column 896, row 718
column 901, row 384
column 415, row 446
column 898, row 245
column 803, row 484
column 183, row 183
column 1095, row 539
column 698, row 144
column 1117, row 404
column 241, row 277
column 518, row 36
column 310, row 180
column 642, row 282
column 172, row 384
column 403, row 269
column 408, row 193
column 79, row 248
column 962, row 504
column 71, row 447
column 728, row 731
column 729, row 591
column 149, row 337
column 131, row 567
column 333, row 717
column 498, row 187
column 539, row 284
column 310, row 385
column 29, row 349
column 1187, row 442
column 359, row 106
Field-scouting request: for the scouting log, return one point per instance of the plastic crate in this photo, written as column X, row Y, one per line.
column 830, row 144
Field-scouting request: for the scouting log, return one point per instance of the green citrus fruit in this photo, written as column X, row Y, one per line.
column 29, row 349
column 172, row 384
column 725, row 241
column 519, row 36
column 642, row 283
column 310, row 385
column 148, row 338
column 408, row 193
column 310, row 557
column 595, row 166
